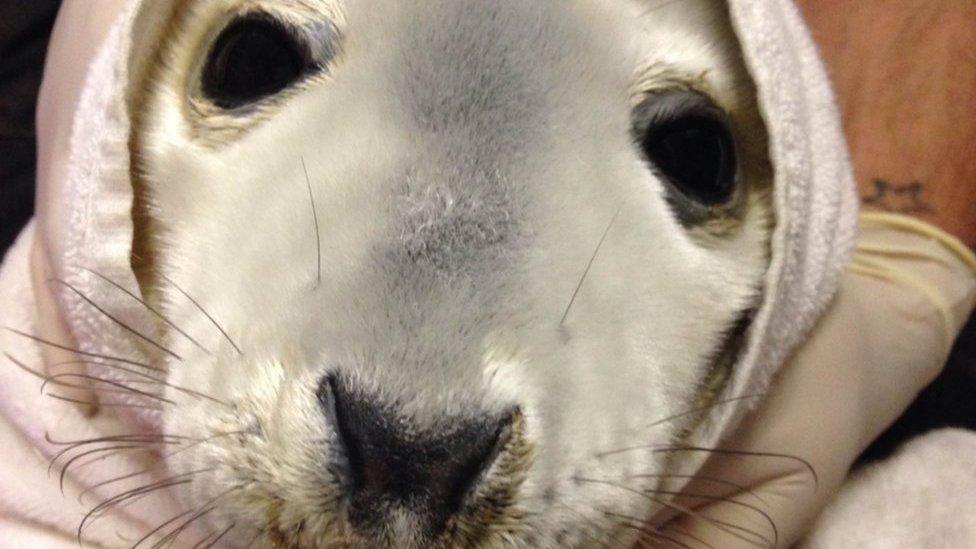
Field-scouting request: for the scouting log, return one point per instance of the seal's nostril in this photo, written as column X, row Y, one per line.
column 392, row 462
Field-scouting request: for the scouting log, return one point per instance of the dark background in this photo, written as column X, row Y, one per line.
column 24, row 29
column 25, row 26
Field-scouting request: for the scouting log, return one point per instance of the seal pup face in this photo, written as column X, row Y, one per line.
column 455, row 270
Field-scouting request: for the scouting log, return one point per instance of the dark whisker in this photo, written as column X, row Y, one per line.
column 202, row 310
column 662, row 5
column 105, row 404
column 101, row 508
column 644, row 532
column 135, row 437
column 148, row 470
column 97, row 379
column 315, row 219
column 46, row 378
column 80, row 352
column 150, row 308
column 725, row 527
column 204, row 540
column 691, row 536
column 133, row 501
column 108, row 455
column 160, row 527
column 67, row 465
column 705, row 478
column 706, row 408
column 589, row 266
column 729, row 500
column 70, row 462
column 149, row 379
column 207, row 508
column 742, row 453
column 144, row 439
column 54, row 380
column 116, row 320
column 172, row 536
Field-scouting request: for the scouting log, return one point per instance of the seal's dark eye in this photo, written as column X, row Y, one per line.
column 689, row 142
column 254, row 57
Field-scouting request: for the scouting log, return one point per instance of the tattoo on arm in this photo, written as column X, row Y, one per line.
column 901, row 198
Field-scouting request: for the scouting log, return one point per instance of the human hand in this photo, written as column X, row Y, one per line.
column 906, row 93
column 884, row 338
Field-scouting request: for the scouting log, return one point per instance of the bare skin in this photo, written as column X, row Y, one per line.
column 905, row 75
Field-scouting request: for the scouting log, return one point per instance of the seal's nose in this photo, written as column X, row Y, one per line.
column 392, row 464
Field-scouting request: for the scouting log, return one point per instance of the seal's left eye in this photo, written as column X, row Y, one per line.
column 254, row 57
column 689, row 142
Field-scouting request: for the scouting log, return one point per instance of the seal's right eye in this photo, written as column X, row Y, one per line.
column 254, row 57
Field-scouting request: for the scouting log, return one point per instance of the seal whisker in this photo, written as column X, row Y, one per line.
column 705, row 478
column 98, row 511
column 79, row 351
column 726, row 499
column 115, row 319
column 148, row 379
column 105, row 404
column 315, row 219
column 706, row 408
column 202, row 310
column 589, row 265
column 728, row 528
column 70, row 462
column 150, row 308
column 743, row 453
column 49, row 380
column 160, row 461
column 646, row 535
column 112, row 383
column 201, row 511
column 662, row 5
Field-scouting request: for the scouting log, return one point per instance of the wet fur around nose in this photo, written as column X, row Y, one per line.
column 465, row 160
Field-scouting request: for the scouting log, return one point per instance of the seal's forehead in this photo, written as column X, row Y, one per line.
column 444, row 54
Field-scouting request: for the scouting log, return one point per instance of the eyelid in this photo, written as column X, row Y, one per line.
column 318, row 37
column 664, row 106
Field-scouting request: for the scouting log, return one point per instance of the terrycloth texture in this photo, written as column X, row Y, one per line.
column 922, row 497
column 30, row 496
column 85, row 223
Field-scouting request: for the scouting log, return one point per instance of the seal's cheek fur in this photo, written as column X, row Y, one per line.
column 451, row 216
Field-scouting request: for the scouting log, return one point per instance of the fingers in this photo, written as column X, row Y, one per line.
column 772, row 477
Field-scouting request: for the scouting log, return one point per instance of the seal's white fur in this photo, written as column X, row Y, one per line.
column 452, row 241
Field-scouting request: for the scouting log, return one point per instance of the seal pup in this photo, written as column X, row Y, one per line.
column 475, row 265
